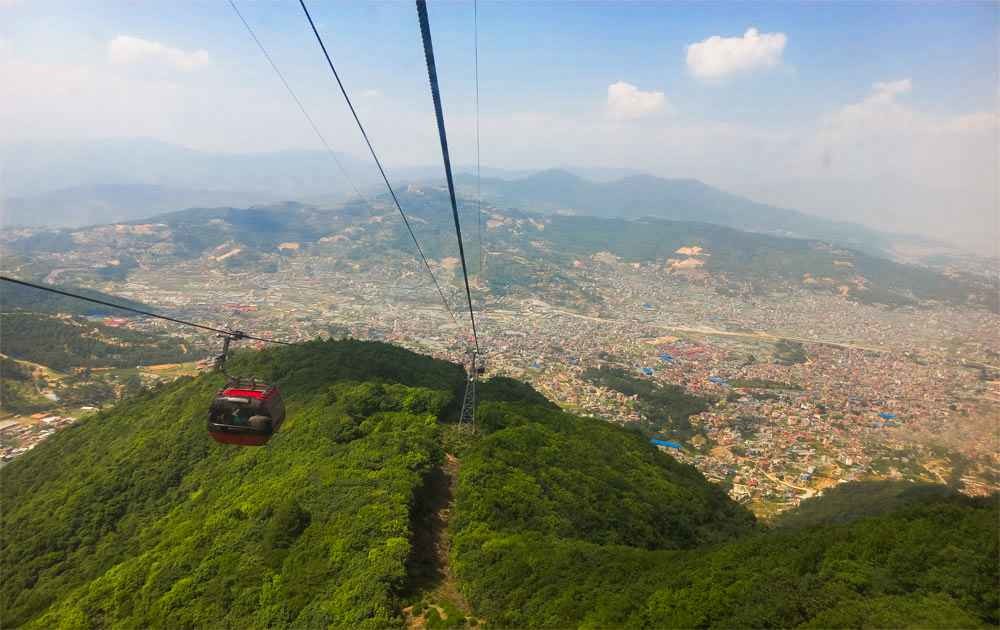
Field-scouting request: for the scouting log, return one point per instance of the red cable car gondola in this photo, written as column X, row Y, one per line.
column 246, row 412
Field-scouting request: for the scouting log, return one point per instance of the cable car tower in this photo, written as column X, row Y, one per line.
column 474, row 368
column 468, row 414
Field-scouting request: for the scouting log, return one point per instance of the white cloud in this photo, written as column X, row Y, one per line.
column 885, row 162
column 126, row 49
column 719, row 57
column 878, row 159
column 628, row 101
column 879, row 111
column 888, row 90
column 107, row 102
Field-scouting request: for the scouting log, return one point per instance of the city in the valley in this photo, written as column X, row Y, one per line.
column 786, row 390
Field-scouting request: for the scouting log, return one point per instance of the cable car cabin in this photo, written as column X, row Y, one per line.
column 246, row 413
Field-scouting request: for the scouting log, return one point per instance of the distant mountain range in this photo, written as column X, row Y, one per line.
column 84, row 183
column 635, row 196
column 32, row 169
column 81, row 183
column 108, row 203
column 72, row 184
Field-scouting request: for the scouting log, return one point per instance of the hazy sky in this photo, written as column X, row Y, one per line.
column 886, row 113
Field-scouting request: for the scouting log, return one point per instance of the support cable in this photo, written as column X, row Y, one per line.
column 479, row 177
column 291, row 92
column 425, row 32
column 378, row 162
column 305, row 113
column 221, row 331
column 479, row 172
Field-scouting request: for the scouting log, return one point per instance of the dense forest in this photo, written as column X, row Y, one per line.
column 788, row 352
column 665, row 408
column 62, row 343
column 17, row 390
column 14, row 371
column 545, row 471
column 933, row 565
column 134, row 518
column 558, row 524
column 851, row 501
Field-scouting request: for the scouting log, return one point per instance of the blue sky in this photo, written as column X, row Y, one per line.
column 875, row 111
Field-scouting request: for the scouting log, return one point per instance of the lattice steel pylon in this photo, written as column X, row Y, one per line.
column 468, row 416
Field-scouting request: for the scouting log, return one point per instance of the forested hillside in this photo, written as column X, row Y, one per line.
column 18, row 393
column 933, row 565
column 528, row 252
column 135, row 518
column 665, row 409
column 62, row 343
column 549, row 533
column 852, row 501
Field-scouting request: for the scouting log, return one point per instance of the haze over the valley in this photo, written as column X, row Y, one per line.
column 864, row 115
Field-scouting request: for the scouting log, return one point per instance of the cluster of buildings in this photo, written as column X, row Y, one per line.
column 903, row 392
column 768, row 445
column 20, row 436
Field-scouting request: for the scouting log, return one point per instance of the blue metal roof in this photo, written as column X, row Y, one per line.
column 667, row 443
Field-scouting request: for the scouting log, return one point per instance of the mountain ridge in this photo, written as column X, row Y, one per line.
column 681, row 199
column 139, row 501
column 79, row 178
column 92, row 204
column 134, row 517
column 525, row 248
